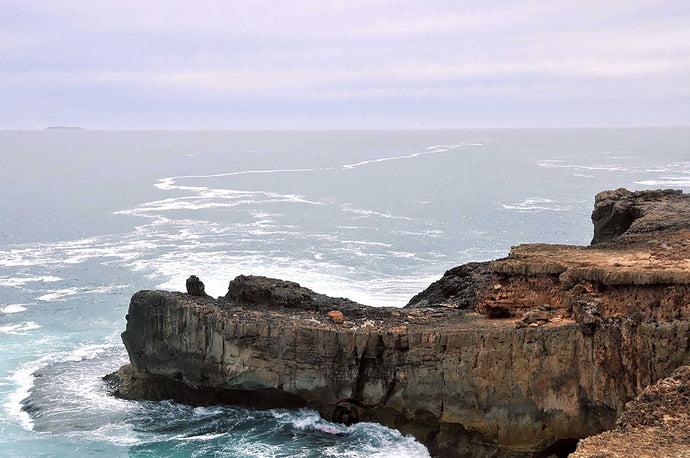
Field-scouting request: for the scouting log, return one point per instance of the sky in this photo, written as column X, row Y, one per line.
column 334, row 64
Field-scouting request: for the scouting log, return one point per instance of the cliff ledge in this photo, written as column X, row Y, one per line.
column 521, row 356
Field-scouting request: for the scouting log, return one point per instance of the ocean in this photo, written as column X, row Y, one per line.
column 90, row 217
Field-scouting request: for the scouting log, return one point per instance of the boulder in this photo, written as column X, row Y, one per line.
column 195, row 287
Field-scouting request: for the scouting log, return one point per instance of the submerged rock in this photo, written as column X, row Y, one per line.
column 531, row 352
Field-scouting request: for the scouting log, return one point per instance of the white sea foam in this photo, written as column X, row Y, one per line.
column 402, row 254
column 207, row 411
column 63, row 294
column 19, row 328
column 534, row 204
column 13, row 308
column 201, row 437
column 681, row 182
column 371, row 439
column 59, row 294
column 552, row 163
column 168, row 183
column 20, row 281
column 365, row 213
column 558, row 163
column 430, row 150
column 23, row 377
column 363, row 242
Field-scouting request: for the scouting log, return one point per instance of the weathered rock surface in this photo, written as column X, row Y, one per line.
column 656, row 424
column 457, row 288
column 620, row 211
column 195, row 287
column 530, row 353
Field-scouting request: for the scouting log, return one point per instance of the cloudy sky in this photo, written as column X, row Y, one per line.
column 344, row 64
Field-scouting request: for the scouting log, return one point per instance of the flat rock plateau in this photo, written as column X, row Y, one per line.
column 517, row 357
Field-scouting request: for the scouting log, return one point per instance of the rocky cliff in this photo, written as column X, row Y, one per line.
column 521, row 356
column 656, row 424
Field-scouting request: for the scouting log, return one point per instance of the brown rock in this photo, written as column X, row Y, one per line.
column 578, row 290
column 336, row 316
column 656, row 424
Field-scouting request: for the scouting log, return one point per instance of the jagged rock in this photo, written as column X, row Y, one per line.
column 621, row 211
column 195, row 287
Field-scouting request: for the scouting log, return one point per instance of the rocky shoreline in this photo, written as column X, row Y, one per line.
column 522, row 356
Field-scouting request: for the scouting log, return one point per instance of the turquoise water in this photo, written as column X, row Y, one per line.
column 88, row 218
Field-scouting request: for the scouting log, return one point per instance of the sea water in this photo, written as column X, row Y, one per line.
column 89, row 217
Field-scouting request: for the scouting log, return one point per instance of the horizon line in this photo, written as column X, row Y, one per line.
column 74, row 129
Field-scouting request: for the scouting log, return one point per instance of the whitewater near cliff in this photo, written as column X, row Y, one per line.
column 374, row 216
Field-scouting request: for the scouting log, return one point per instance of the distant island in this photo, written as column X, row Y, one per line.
column 64, row 128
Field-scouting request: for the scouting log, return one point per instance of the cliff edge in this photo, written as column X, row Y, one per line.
column 521, row 356
column 655, row 424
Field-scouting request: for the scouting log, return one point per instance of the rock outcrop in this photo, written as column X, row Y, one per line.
column 457, row 288
column 195, row 287
column 521, row 356
column 656, row 424
column 620, row 211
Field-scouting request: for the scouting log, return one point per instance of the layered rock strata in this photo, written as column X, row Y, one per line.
column 521, row 356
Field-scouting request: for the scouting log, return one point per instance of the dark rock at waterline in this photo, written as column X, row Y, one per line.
column 195, row 287
column 128, row 383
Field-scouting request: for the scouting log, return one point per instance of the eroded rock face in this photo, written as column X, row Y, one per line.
column 621, row 211
column 656, row 424
column 524, row 356
column 462, row 384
